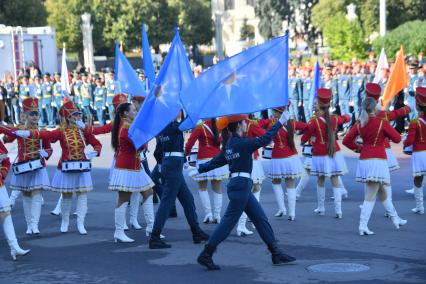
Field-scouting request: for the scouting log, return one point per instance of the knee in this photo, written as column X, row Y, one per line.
column 66, row 195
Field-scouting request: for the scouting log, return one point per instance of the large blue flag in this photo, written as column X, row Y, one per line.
column 162, row 104
column 250, row 81
column 316, row 84
column 148, row 66
column 126, row 75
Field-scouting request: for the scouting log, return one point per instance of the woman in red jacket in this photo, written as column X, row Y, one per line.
column 34, row 151
column 209, row 140
column 327, row 161
column 127, row 176
column 372, row 169
column 417, row 140
column 285, row 164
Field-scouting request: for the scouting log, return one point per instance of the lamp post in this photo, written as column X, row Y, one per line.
column 86, row 29
column 382, row 18
column 218, row 28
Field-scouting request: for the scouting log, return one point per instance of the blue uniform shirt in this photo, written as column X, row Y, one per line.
column 344, row 87
column 47, row 93
column 172, row 138
column 37, row 92
column 111, row 87
column 57, row 96
column 358, row 85
column 99, row 97
column 86, row 94
column 24, row 92
column 306, row 89
column 294, row 89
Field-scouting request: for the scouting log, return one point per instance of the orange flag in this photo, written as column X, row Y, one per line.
column 398, row 79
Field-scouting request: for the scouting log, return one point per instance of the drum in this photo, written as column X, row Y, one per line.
column 307, row 150
column 192, row 160
column 27, row 166
column 267, row 152
column 359, row 141
column 408, row 150
column 76, row 166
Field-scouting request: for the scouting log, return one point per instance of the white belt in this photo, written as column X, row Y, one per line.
column 241, row 174
column 173, row 154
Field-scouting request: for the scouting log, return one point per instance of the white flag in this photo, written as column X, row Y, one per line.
column 383, row 63
column 65, row 84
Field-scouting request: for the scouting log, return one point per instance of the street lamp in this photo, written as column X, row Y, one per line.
column 218, row 28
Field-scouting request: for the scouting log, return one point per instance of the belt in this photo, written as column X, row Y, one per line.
column 173, row 154
column 240, row 174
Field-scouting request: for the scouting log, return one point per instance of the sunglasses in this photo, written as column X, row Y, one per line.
column 33, row 113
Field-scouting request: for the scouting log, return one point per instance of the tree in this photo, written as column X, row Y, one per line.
column 246, row 31
column 25, row 13
column 345, row 38
column 325, row 10
column 412, row 35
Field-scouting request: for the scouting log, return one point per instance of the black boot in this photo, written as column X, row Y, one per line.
column 198, row 235
column 155, row 242
column 173, row 212
column 278, row 257
column 205, row 258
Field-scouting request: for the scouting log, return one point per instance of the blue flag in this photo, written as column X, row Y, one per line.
column 250, row 81
column 148, row 66
column 162, row 104
column 316, row 84
column 126, row 75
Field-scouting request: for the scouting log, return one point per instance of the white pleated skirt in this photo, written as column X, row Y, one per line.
column 71, row 182
column 418, row 163
column 307, row 163
column 36, row 180
column 329, row 166
column 130, row 180
column 290, row 167
column 216, row 174
column 392, row 161
column 4, row 200
column 257, row 173
column 373, row 170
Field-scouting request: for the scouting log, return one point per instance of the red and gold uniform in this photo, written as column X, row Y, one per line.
column 207, row 149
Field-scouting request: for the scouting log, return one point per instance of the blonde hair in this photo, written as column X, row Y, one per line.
column 331, row 149
column 368, row 107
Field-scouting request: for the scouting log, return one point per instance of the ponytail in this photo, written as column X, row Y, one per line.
column 215, row 132
column 369, row 105
column 331, row 149
column 117, row 123
column 290, row 134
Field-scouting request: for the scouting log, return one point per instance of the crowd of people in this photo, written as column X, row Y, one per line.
column 228, row 148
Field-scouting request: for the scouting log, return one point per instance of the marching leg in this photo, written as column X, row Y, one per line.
column 205, row 201
column 36, row 202
column 13, row 196
column 81, row 212
column 26, row 203
column 135, row 200
column 217, row 206
column 418, row 194
column 57, row 210
column 321, row 199
column 279, row 196
column 291, row 199
column 65, row 212
column 9, row 232
column 120, row 219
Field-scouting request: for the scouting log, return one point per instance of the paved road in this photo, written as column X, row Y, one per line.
column 394, row 256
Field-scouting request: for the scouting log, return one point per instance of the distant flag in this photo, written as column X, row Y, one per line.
column 126, row 75
column 65, row 84
column 316, row 83
column 162, row 105
column 253, row 80
column 148, row 65
column 383, row 63
column 398, row 79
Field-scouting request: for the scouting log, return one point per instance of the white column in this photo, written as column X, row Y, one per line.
column 382, row 17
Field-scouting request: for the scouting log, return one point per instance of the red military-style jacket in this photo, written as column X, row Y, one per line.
column 207, row 147
column 417, row 134
column 254, row 130
column 126, row 156
column 317, row 129
column 373, row 135
column 393, row 115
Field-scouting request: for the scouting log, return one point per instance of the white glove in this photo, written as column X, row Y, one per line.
column 193, row 173
column 20, row 104
column 391, row 108
column 185, row 165
column 284, row 117
column 80, row 124
column 406, row 102
column 22, row 133
column 103, row 107
column 43, row 153
column 107, row 104
column 53, row 104
column 91, row 154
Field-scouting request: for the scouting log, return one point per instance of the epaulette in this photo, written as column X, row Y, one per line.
column 254, row 121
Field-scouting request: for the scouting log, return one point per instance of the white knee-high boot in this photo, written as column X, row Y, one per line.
column 344, row 192
column 257, row 195
column 81, row 212
column 418, row 195
column 65, row 212
column 241, row 228
column 9, row 232
column 36, row 202
column 291, row 199
column 205, row 202
column 57, row 210
column 148, row 213
column 321, row 199
column 13, row 196
column 303, row 182
column 217, row 206
column 135, row 201
column 120, row 219
column 279, row 196
column 26, row 203
column 366, row 209
column 337, row 193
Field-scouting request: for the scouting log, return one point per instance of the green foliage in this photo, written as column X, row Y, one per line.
column 345, row 39
column 25, row 13
column 271, row 13
column 412, row 35
column 246, row 31
column 325, row 10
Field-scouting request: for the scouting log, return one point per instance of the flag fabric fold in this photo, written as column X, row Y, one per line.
column 316, row 84
column 383, row 63
column 65, row 84
column 162, row 104
column 398, row 79
column 126, row 75
column 253, row 80
column 148, row 65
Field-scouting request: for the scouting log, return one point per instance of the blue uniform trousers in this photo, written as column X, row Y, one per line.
column 307, row 109
column 294, row 111
column 344, row 109
column 100, row 115
column 357, row 108
column 111, row 111
column 241, row 199
column 48, row 114
column 174, row 186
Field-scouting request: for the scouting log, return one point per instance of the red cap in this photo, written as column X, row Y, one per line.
column 30, row 104
column 224, row 121
column 421, row 96
column 324, row 96
column 373, row 90
column 67, row 109
column 118, row 100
